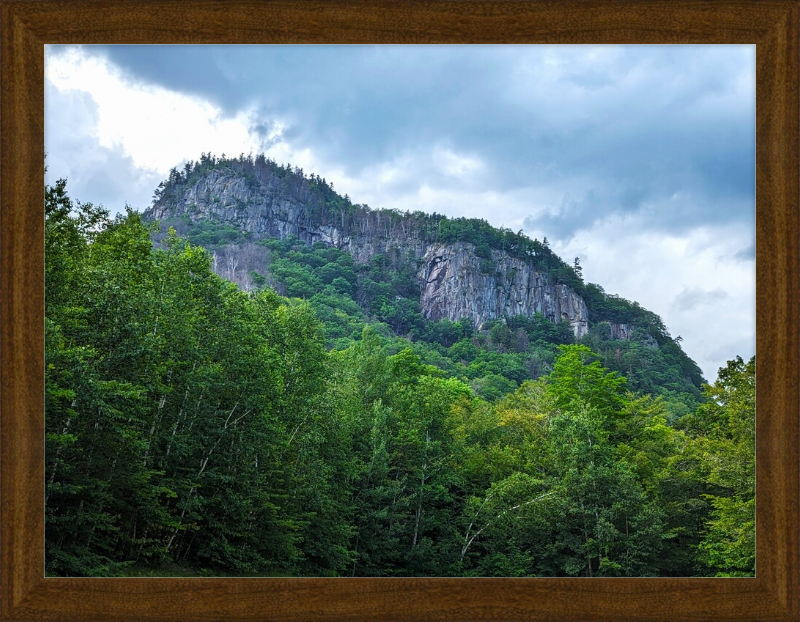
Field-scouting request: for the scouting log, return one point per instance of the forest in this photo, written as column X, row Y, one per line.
column 314, row 424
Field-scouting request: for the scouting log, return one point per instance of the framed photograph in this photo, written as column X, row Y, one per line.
column 79, row 584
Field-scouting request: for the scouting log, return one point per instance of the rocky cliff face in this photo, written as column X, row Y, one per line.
column 455, row 285
column 454, row 281
column 621, row 331
column 625, row 332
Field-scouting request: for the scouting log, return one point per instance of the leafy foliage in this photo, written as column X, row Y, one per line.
column 195, row 425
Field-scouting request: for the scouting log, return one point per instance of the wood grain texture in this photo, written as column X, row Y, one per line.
column 26, row 25
column 21, row 310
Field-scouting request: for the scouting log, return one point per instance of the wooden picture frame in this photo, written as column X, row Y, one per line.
column 26, row 25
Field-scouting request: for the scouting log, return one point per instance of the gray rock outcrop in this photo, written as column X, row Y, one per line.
column 454, row 281
column 455, row 285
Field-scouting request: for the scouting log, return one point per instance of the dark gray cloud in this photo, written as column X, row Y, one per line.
column 665, row 132
column 690, row 299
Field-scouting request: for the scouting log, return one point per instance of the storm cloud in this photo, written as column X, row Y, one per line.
column 662, row 132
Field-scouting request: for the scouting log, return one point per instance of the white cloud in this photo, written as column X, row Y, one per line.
column 715, row 309
column 155, row 127
column 456, row 165
column 95, row 174
column 690, row 299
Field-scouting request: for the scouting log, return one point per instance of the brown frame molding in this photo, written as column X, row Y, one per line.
column 25, row 25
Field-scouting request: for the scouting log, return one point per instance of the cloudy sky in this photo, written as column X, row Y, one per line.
column 639, row 160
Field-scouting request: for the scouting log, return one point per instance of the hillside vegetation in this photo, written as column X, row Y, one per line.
column 495, row 356
column 313, row 424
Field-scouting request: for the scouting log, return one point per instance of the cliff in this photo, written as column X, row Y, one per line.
column 455, row 285
column 456, row 278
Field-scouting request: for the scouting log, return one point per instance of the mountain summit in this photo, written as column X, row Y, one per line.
column 455, row 269
column 464, row 268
